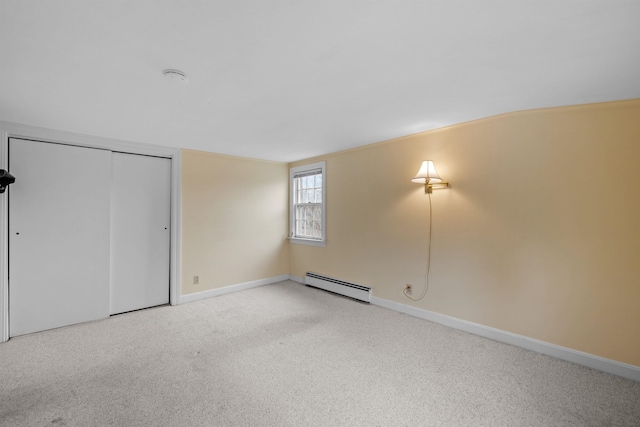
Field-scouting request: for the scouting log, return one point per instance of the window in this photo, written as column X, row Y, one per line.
column 307, row 210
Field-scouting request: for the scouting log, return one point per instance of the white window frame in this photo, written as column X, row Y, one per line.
column 322, row 166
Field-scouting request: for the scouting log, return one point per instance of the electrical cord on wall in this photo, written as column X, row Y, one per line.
column 426, row 274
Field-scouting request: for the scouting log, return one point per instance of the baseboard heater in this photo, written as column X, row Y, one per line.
column 340, row 287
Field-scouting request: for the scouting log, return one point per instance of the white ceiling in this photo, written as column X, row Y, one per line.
column 287, row 80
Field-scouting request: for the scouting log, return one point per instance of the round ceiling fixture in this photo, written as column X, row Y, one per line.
column 176, row 75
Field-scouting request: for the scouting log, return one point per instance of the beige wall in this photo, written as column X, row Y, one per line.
column 538, row 235
column 234, row 220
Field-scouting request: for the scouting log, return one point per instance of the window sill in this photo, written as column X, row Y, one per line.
column 308, row 242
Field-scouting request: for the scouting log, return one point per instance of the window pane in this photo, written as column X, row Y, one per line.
column 298, row 214
column 318, row 195
column 308, row 222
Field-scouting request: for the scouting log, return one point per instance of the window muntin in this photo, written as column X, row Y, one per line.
column 308, row 203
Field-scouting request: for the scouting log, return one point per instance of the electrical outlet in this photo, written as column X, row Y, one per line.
column 196, row 280
column 407, row 288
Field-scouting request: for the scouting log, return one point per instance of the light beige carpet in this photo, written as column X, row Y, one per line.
column 288, row 355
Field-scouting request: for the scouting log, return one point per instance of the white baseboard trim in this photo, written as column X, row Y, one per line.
column 296, row 279
column 230, row 289
column 585, row 359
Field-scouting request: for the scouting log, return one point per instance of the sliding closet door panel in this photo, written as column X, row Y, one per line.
column 58, row 235
column 140, row 219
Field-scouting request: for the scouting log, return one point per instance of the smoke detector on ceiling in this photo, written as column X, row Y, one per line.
column 176, row 75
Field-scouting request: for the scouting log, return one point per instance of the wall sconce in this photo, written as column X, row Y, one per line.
column 428, row 176
column 5, row 179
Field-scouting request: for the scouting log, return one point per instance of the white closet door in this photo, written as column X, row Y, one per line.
column 58, row 235
column 140, row 219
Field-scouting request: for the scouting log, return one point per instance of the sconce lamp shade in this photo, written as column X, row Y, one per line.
column 427, row 174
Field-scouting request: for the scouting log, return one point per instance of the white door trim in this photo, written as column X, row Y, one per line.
column 15, row 130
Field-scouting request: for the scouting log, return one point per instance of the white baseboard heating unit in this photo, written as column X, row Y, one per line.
column 351, row 290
